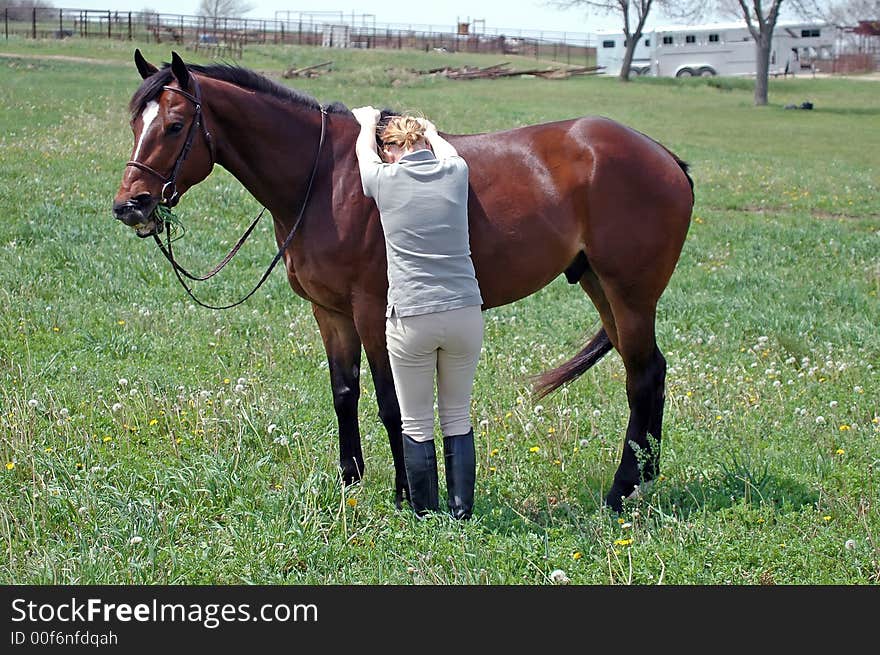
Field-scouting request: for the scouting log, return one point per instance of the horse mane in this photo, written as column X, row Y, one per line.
column 243, row 77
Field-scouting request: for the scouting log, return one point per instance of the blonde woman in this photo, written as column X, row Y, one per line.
column 434, row 320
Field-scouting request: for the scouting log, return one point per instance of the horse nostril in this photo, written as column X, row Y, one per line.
column 141, row 198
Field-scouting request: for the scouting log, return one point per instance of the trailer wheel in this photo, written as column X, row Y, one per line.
column 705, row 71
column 635, row 72
column 685, row 72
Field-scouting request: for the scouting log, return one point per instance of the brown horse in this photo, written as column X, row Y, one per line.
column 588, row 197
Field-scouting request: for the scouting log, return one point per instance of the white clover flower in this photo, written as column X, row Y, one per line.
column 271, row 428
column 122, row 382
column 820, row 420
column 559, row 577
column 116, row 407
column 281, row 440
column 238, row 388
column 133, row 392
column 858, row 389
column 584, row 443
column 597, row 413
column 832, row 404
column 135, row 540
column 850, row 544
column 33, row 402
column 242, row 381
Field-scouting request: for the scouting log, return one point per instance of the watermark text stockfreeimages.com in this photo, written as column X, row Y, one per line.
column 208, row 615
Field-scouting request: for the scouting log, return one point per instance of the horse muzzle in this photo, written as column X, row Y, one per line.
column 139, row 213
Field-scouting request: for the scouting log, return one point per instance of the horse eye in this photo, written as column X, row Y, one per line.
column 175, row 128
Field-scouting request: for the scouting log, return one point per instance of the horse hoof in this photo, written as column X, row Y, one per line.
column 401, row 493
column 352, row 471
column 619, row 493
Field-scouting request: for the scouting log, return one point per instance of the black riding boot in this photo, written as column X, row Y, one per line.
column 461, row 473
column 420, row 460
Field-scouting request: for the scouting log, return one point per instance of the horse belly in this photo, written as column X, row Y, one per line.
column 515, row 259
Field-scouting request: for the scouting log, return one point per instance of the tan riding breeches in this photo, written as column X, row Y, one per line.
column 447, row 342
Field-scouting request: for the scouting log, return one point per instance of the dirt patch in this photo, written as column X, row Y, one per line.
column 79, row 60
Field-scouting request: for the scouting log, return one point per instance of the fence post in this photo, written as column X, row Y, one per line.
column 109, row 26
column 34, row 22
column 60, row 24
column 129, row 26
column 6, row 21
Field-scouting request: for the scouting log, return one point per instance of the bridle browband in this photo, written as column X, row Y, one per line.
column 170, row 182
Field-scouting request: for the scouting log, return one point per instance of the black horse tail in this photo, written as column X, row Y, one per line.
column 551, row 380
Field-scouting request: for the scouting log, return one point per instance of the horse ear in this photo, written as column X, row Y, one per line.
column 181, row 74
column 144, row 67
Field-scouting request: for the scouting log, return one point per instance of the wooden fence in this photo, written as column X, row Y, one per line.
column 227, row 37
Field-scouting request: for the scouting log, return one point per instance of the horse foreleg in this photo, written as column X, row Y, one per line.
column 343, row 347
column 371, row 326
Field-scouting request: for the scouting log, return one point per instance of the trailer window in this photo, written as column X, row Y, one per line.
column 714, row 38
column 809, row 33
column 690, row 38
column 647, row 43
column 667, row 40
column 607, row 44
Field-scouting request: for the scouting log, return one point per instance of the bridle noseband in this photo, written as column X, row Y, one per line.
column 170, row 182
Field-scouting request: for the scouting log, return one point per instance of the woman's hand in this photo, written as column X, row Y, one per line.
column 367, row 116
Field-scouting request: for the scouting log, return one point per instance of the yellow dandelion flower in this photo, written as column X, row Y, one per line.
column 551, row 430
column 153, row 421
column 508, row 415
column 48, row 450
column 491, row 469
column 79, row 466
column 351, row 502
column 622, row 542
column 120, row 322
column 534, row 449
column 621, row 521
column 826, row 518
column 557, row 462
column 577, row 556
column 876, row 420
column 107, row 438
column 56, row 329
column 844, row 427
column 226, row 380
column 840, row 451
column 494, row 452
column 178, row 440
column 10, row 466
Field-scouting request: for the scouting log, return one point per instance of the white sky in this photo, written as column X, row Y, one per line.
column 498, row 14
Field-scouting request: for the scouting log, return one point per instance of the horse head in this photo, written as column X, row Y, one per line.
column 172, row 146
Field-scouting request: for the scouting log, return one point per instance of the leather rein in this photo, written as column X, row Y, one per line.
column 170, row 184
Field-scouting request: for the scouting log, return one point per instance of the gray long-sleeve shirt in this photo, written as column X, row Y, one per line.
column 422, row 203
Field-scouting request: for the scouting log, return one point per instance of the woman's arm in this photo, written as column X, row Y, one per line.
column 365, row 148
column 442, row 148
column 369, row 161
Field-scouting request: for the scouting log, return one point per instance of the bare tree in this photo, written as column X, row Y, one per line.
column 633, row 14
column 224, row 8
column 22, row 9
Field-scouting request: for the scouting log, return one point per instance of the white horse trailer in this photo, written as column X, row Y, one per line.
column 717, row 49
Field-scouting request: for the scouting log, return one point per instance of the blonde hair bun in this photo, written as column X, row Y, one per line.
column 403, row 131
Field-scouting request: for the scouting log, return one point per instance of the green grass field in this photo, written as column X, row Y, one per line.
column 146, row 440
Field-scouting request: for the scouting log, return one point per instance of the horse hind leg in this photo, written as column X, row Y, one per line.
column 645, row 390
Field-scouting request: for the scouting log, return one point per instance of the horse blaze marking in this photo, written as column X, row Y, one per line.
column 147, row 117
